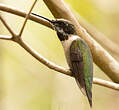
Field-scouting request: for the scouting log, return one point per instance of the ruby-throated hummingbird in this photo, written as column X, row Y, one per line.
column 78, row 54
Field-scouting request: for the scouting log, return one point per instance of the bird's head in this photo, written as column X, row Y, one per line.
column 64, row 28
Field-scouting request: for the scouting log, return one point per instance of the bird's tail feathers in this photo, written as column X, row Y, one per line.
column 81, row 88
column 85, row 92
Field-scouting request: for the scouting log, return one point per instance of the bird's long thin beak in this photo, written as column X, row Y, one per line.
column 51, row 21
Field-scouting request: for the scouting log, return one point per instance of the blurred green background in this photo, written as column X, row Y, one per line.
column 26, row 84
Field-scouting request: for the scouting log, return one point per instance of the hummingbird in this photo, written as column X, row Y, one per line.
column 77, row 53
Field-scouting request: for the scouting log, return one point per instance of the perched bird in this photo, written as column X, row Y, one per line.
column 78, row 54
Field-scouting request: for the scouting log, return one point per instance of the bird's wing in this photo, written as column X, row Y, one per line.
column 82, row 66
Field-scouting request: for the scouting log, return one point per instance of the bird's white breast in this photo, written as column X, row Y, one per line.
column 66, row 45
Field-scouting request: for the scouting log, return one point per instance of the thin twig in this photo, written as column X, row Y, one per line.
column 5, row 37
column 98, row 36
column 22, row 13
column 43, row 60
column 27, row 16
column 104, row 83
column 7, row 26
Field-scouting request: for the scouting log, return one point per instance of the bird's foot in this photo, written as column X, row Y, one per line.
column 71, row 72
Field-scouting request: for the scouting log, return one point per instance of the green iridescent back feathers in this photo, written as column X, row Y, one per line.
column 87, row 69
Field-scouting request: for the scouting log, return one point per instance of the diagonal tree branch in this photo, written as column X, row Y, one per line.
column 100, row 56
column 27, row 16
column 36, row 55
column 98, row 36
column 7, row 26
column 22, row 13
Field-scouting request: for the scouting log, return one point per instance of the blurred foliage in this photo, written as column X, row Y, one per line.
column 26, row 84
column 87, row 9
